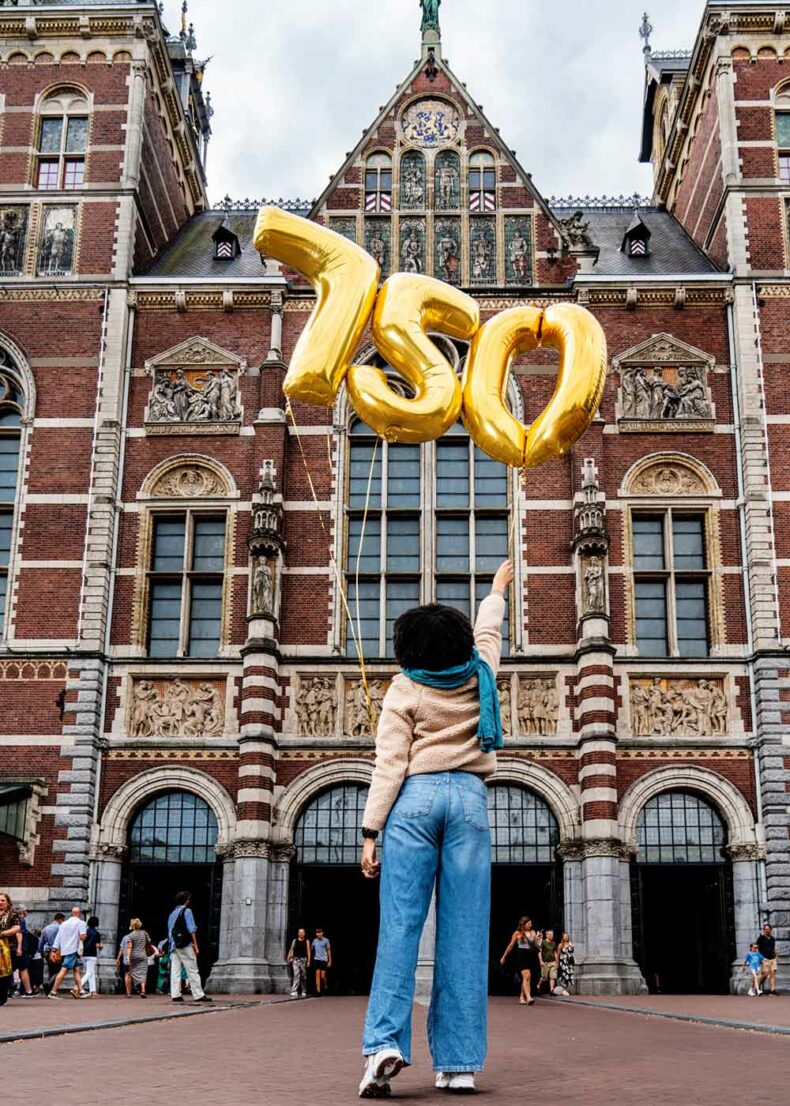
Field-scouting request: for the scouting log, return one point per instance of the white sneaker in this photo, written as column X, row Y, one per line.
column 379, row 1069
column 458, row 1082
column 759, row 991
column 752, row 992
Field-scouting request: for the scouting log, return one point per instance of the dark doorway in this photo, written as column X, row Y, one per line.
column 516, row 890
column 346, row 904
column 172, row 848
column 683, row 946
column 681, row 897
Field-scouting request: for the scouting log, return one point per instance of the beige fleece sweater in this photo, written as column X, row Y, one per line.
column 425, row 729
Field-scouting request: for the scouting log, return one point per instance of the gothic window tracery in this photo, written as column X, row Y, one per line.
column 11, row 411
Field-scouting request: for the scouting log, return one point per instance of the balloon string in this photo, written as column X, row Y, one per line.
column 332, row 560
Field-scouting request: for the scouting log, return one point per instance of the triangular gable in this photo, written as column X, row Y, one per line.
column 196, row 351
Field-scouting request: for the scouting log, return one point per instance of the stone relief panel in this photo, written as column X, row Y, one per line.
column 378, row 242
column 664, row 387
column 447, row 250
column 347, row 227
column 359, row 720
column 668, row 480
column 177, row 707
column 447, row 181
column 189, row 482
column 538, row 704
column 13, row 238
column 195, row 390
column 692, row 707
column 58, row 241
column 518, row 249
column 503, row 691
column 412, row 181
column 316, row 706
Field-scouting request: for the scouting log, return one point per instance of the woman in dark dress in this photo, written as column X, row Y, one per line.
column 525, row 942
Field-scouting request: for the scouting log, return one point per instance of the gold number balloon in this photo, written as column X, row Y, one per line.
column 582, row 344
column 408, row 306
column 345, row 278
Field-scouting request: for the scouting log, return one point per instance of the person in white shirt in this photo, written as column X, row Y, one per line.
column 67, row 940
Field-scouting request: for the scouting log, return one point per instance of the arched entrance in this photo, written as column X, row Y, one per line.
column 681, row 896
column 327, row 888
column 526, row 876
column 171, row 847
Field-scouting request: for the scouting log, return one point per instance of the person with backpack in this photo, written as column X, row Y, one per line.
column 182, row 932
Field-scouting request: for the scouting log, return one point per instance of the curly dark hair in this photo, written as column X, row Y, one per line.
column 433, row 637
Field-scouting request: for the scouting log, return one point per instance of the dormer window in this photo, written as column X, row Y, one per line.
column 226, row 244
column 636, row 240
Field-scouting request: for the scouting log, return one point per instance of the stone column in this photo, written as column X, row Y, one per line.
column 280, row 857
column 574, row 919
column 108, row 860
column 746, row 904
column 276, row 342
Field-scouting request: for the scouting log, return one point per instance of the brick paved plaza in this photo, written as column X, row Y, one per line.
column 270, row 1051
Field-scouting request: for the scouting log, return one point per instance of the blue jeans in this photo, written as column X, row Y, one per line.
column 437, row 833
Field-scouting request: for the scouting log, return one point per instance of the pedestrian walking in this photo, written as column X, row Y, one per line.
column 299, row 957
column 566, row 965
column 138, row 944
column 90, row 954
column 36, row 962
column 438, row 730
column 525, row 942
column 45, row 943
column 548, row 961
column 182, row 933
column 22, row 954
column 322, row 961
column 754, row 964
column 766, row 946
column 66, row 946
column 9, row 928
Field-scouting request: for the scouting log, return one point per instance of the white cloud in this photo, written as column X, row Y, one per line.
column 294, row 83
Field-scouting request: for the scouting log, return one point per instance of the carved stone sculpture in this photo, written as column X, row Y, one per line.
column 692, row 707
column 358, row 716
column 594, row 601
column 538, row 706
column 316, row 707
column 659, row 393
column 667, row 480
column 188, row 396
column 189, row 482
column 262, row 587
column 503, row 691
column 577, row 230
column 176, row 708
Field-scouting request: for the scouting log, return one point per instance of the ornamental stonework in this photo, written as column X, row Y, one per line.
column 177, row 707
column 688, row 707
column 431, row 124
column 194, row 390
column 538, row 704
column 362, row 715
column 316, row 706
column 664, row 388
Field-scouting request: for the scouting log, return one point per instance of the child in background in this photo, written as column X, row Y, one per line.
column 754, row 964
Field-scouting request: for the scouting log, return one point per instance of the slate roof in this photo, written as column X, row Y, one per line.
column 191, row 253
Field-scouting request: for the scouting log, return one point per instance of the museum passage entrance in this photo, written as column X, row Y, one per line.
column 328, row 890
column 681, row 896
column 526, row 877
column 171, row 848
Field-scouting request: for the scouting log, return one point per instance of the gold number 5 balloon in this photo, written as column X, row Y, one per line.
column 345, row 278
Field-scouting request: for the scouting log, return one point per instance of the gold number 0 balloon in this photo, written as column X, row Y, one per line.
column 579, row 337
column 406, row 307
column 345, row 279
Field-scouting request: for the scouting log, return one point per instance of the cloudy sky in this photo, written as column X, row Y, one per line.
column 295, row 82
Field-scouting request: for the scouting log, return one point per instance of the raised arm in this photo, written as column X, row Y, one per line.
column 490, row 613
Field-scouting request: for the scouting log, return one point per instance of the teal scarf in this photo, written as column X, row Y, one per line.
column 489, row 730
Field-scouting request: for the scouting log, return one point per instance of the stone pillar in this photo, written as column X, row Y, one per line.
column 574, row 919
column 746, row 903
column 276, row 342
column 108, row 861
column 280, row 857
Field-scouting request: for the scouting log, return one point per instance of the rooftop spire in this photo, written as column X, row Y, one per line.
column 645, row 31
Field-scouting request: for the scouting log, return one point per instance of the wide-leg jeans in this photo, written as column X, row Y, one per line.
column 436, row 835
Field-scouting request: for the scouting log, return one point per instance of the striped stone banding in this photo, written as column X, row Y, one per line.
column 599, row 810
column 597, row 757
column 253, row 811
column 596, row 781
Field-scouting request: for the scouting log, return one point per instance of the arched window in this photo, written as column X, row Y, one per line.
column 174, row 828
column 783, row 132
column 677, row 827
column 378, row 183
column 436, row 527
column 62, row 140
column 523, row 828
column 11, row 410
column 482, row 182
column 328, row 829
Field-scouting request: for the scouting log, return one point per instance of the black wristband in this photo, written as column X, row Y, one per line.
column 369, row 833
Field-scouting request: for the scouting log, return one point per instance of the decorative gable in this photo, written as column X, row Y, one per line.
column 195, row 390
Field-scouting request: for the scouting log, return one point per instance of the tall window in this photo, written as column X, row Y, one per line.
column 11, row 407
column 783, row 135
column 378, row 183
column 175, row 828
column 678, row 828
column 62, row 142
column 328, row 828
column 403, row 560
column 671, row 584
column 482, row 182
column 185, row 584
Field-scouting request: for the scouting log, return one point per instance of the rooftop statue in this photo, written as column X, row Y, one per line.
column 430, row 15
